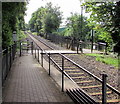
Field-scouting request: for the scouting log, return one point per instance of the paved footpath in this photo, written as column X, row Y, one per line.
column 29, row 82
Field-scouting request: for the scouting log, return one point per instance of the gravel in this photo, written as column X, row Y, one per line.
column 89, row 63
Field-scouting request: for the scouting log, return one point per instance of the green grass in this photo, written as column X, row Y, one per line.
column 34, row 33
column 105, row 59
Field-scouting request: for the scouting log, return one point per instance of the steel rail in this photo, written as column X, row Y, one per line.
column 94, row 76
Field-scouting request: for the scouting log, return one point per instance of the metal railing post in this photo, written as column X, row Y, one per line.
column 62, row 74
column 14, row 52
column 6, row 61
column 41, row 58
column 49, row 63
column 35, row 52
column 104, row 88
column 38, row 55
column 77, row 48
column 32, row 48
column 27, row 45
column 20, row 48
column 10, row 56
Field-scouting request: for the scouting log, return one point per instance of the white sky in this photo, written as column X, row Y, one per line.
column 66, row 6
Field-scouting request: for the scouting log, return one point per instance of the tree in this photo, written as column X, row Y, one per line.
column 77, row 25
column 106, row 14
column 46, row 19
column 52, row 18
column 12, row 20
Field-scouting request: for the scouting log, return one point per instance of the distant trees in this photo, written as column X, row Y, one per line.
column 46, row 19
column 12, row 20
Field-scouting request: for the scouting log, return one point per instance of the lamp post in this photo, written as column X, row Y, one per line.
column 92, row 38
column 81, row 21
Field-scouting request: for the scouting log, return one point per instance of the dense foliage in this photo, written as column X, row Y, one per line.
column 12, row 20
column 46, row 19
column 77, row 26
column 105, row 19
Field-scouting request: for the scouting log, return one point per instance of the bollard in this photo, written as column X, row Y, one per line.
column 104, row 88
column 62, row 74
column 49, row 63
column 38, row 55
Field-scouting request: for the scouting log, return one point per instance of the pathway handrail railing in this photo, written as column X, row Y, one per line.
column 8, row 56
column 80, row 67
column 59, row 68
column 109, row 86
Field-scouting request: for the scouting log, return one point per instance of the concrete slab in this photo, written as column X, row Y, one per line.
column 60, row 51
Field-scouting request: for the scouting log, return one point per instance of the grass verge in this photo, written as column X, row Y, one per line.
column 105, row 59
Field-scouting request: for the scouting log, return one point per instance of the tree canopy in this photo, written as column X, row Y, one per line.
column 46, row 19
column 105, row 16
column 77, row 26
column 12, row 20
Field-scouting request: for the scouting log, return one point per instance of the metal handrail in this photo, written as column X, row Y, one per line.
column 109, row 86
column 94, row 76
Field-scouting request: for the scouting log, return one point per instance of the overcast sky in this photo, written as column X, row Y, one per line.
column 66, row 6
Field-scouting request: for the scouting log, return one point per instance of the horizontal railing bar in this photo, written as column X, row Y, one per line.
column 109, row 86
column 94, row 76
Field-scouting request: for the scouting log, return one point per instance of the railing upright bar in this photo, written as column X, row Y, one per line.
column 49, row 63
column 62, row 74
column 20, row 48
column 14, row 52
column 6, row 62
column 42, row 58
column 77, row 48
column 38, row 55
column 27, row 45
column 35, row 52
column 104, row 88
column 10, row 56
column 32, row 48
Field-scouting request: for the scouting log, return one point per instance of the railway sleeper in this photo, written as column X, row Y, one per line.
column 70, row 67
column 115, row 100
column 85, row 81
column 93, row 86
column 99, row 93
column 94, row 90
column 78, row 77
column 83, row 78
column 72, row 70
column 75, row 73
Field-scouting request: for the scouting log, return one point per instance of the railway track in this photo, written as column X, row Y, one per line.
column 87, row 81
